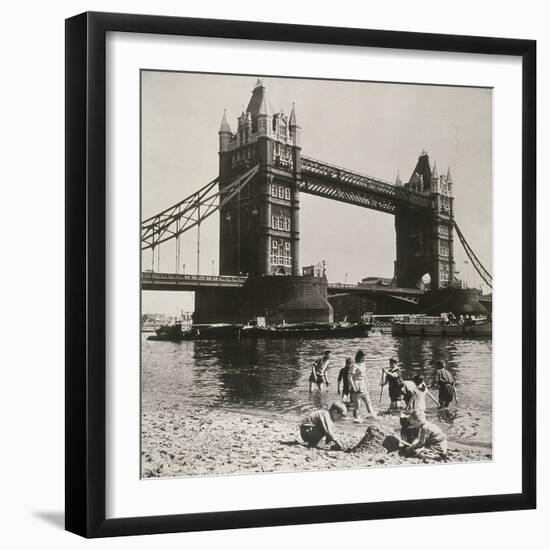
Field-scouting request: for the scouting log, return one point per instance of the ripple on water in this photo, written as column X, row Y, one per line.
column 272, row 375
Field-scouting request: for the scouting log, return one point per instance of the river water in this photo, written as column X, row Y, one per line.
column 271, row 376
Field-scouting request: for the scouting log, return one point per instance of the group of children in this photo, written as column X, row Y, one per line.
column 414, row 392
column 417, row 434
column 352, row 384
column 352, row 381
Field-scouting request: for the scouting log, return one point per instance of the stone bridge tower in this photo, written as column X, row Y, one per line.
column 425, row 236
column 259, row 228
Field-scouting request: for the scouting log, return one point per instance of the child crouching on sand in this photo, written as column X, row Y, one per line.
column 430, row 442
column 319, row 425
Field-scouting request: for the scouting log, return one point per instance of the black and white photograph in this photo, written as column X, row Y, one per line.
column 284, row 265
column 316, row 274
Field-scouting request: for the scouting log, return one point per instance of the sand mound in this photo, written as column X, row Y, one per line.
column 376, row 440
column 391, row 443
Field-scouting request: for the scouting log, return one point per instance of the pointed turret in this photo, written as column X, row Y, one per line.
column 259, row 102
column 224, row 126
column 264, row 108
column 398, row 179
column 449, row 178
column 225, row 133
column 260, row 109
column 292, row 120
column 423, row 167
column 435, row 180
column 293, row 127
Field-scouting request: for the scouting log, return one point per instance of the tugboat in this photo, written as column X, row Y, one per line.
column 176, row 333
column 169, row 333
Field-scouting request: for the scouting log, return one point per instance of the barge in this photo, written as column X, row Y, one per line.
column 423, row 325
column 222, row 331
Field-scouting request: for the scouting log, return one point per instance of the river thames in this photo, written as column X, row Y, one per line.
column 270, row 377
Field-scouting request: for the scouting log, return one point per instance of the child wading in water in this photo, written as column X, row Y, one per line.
column 343, row 380
column 359, row 386
column 444, row 381
column 319, row 371
column 420, row 392
column 392, row 377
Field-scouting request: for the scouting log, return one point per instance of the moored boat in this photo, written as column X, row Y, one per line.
column 309, row 330
column 175, row 332
column 423, row 325
column 169, row 333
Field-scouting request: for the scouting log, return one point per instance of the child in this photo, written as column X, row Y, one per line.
column 319, row 372
column 343, row 380
column 444, row 381
column 431, row 442
column 319, row 424
column 420, row 394
column 359, row 386
column 392, row 377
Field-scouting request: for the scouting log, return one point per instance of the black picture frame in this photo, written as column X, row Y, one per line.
column 86, row 268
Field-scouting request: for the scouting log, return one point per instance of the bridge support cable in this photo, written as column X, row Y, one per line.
column 178, row 248
column 481, row 270
column 191, row 211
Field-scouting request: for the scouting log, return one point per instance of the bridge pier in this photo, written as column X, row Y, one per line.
column 279, row 299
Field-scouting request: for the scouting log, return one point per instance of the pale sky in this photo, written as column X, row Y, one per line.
column 372, row 128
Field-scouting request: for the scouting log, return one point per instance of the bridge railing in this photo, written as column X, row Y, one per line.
column 183, row 277
column 383, row 188
column 375, row 288
column 343, row 285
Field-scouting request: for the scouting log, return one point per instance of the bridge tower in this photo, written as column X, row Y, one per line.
column 424, row 237
column 259, row 228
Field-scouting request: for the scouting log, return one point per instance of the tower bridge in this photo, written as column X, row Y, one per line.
column 262, row 174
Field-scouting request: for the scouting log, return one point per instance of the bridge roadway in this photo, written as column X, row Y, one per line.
column 176, row 281
column 180, row 282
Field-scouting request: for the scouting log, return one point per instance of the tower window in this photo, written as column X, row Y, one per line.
column 287, row 193
column 280, row 223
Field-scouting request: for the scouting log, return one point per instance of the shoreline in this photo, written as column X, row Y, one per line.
column 180, row 439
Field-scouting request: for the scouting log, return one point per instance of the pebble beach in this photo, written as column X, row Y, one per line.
column 181, row 439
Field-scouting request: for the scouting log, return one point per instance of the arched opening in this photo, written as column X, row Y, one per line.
column 281, row 271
